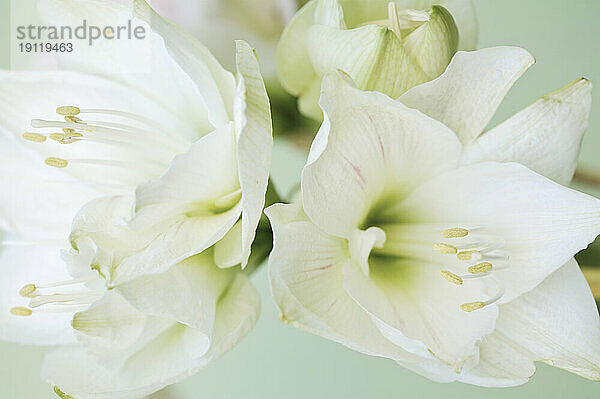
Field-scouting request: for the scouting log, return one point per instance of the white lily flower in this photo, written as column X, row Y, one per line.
column 386, row 46
column 218, row 23
column 195, row 140
column 412, row 242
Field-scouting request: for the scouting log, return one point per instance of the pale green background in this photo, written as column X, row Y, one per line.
column 278, row 361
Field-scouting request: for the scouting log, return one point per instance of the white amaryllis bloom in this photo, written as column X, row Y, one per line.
column 386, row 46
column 415, row 240
column 196, row 141
column 218, row 23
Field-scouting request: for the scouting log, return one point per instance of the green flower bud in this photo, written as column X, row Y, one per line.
column 384, row 46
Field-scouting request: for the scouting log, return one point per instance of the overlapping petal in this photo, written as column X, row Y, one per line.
column 171, row 356
column 546, row 136
column 540, row 224
column 467, row 94
column 556, row 323
column 370, row 149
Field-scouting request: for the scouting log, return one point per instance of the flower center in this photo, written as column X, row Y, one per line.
column 120, row 140
column 462, row 253
column 58, row 297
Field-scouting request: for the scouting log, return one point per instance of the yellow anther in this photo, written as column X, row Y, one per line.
column 445, row 248
column 35, row 137
column 65, row 138
column 56, row 162
column 20, row 311
column 466, row 255
column 57, row 136
column 455, row 233
column 73, row 119
column 61, row 394
column 67, row 110
column 66, row 130
column 483, row 267
column 453, row 278
column 472, row 306
column 27, row 291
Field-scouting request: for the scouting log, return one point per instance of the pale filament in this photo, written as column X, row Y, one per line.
column 468, row 248
column 44, row 300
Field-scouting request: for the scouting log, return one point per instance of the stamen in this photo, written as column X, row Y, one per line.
column 68, row 110
column 21, row 311
column 56, row 162
column 445, row 248
column 455, row 233
column 35, row 137
column 174, row 144
column 483, row 267
column 65, row 138
column 73, row 119
column 467, row 255
column 127, row 115
column 472, row 306
column 27, row 291
column 81, row 298
column 67, row 282
column 451, row 277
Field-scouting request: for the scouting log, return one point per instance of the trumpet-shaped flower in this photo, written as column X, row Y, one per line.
column 386, row 46
column 186, row 146
column 420, row 240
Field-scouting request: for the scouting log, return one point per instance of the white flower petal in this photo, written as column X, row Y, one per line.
column 305, row 270
column 293, row 61
column 545, row 137
column 187, row 293
column 112, row 330
column 125, row 254
column 215, row 84
column 175, row 242
column 25, row 96
column 556, row 323
column 228, row 250
column 255, row 140
column 206, row 173
column 369, row 148
column 168, row 66
column 538, row 223
column 413, row 306
column 21, row 265
column 36, row 202
column 466, row 96
column 174, row 355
